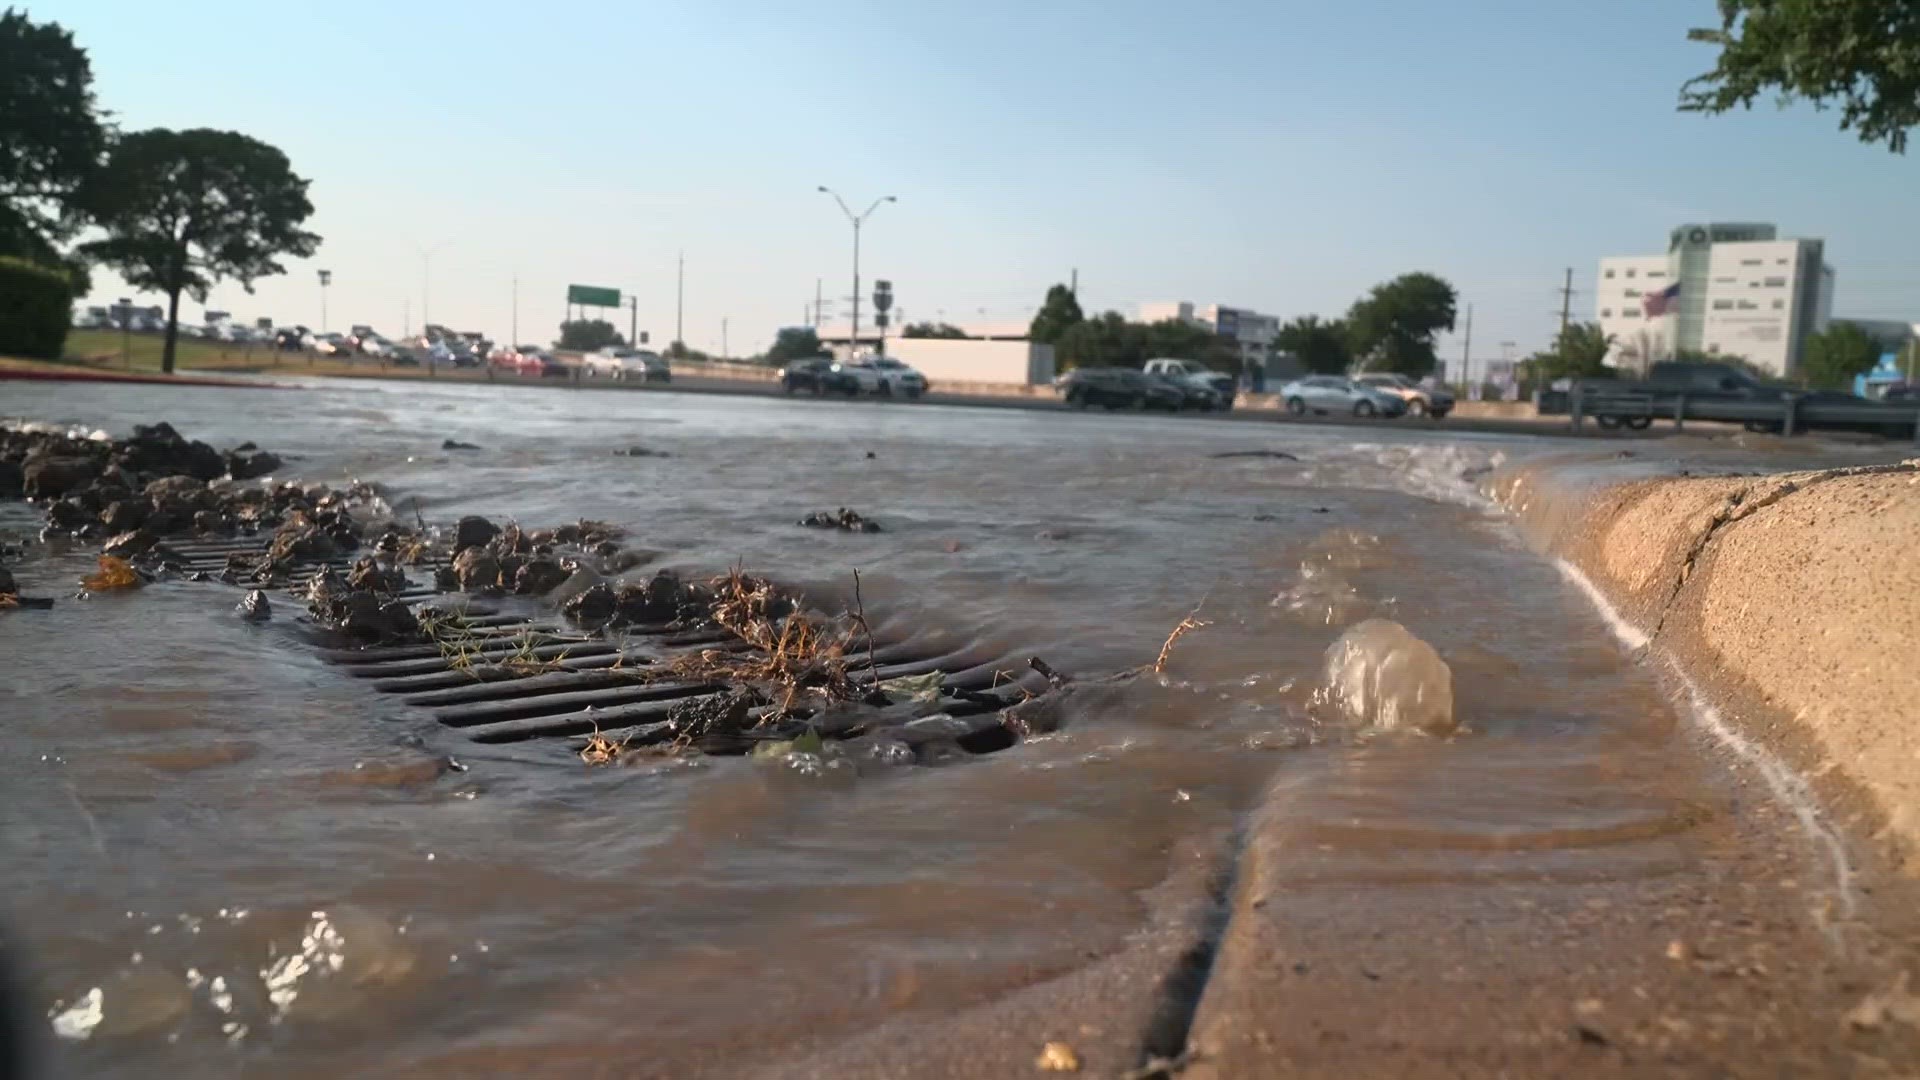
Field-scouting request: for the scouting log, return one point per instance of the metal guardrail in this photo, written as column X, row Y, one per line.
column 1790, row 414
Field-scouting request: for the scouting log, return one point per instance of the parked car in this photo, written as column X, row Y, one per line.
column 900, row 377
column 644, row 365
column 507, row 356
column 1421, row 400
column 1195, row 373
column 541, row 363
column 814, row 374
column 371, row 344
column 332, row 344
column 465, row 354
column 881, row 376
column 1325, row 394
column 1184, row 394
column 1105, row 387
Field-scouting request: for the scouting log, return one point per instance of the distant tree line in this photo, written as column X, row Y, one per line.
column 1392, row 328
column 170, row 211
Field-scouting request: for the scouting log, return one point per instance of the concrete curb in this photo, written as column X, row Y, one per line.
column 1792, row 598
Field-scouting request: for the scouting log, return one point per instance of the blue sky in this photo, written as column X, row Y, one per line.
column 1277, row 155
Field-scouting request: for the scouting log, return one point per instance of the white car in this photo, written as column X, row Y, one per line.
column 882, row 376
column 373, row 345
column 332, row 344
column 615, row 363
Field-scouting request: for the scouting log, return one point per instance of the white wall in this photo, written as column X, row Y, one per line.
column 949, row 360
column 1622, row 281
column 1753, row 294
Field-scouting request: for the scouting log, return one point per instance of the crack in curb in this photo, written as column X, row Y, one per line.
column 1738, row 506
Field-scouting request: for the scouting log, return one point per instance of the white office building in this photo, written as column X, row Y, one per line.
column 1253, row 331
column 1742, row 292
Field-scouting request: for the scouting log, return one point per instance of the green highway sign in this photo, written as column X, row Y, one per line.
column 593, row 296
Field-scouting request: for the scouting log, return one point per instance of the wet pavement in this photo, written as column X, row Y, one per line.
column 228, row 859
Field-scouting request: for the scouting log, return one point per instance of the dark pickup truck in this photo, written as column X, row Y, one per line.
column 1686, row 390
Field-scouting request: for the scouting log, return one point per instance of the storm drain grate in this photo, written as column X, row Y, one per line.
column 515, row 677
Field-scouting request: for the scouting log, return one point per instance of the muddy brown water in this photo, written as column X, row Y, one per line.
column 224, row 858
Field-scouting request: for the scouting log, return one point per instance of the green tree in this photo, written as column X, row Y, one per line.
column 932, row 330
column 1393, row 327
column 1830, row 359
column 184, row 209
column 589, row 335
column 1106, row 340
column 794, row 343
column 1862, row 54
column 1320, row 345
column 1056, row 316
column 51, row 138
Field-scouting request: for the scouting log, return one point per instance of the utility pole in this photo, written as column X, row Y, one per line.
column 406, row 316
column 679, row 298
column 1074, row 287
column 857, row 220
column 1466, row 351
column 723, row 337
column 633, row 320
column 326, row 279
column 816, row 304
column 515, row 342
column 1566, row 300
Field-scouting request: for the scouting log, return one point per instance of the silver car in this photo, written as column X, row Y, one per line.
column 1325, row 394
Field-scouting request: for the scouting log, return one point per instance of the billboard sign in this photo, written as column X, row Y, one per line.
column 1226, row 323
column 593, row 296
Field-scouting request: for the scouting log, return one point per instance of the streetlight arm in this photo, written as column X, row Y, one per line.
column 875, row 206
column 841, row 201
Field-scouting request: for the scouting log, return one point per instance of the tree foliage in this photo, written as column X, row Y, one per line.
column 1319, row 344
column 1863, row 55
column 1055, row 317
column 932, row 330
column 1393, row 327
column 182, row 210
column 1579, row 352
column 794, row 343
column 588, row 335
column 1830, row 359
column 51, row 137
column 1110, row 340
column 36, row 308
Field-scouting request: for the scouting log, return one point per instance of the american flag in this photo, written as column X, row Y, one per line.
column 1659, row 303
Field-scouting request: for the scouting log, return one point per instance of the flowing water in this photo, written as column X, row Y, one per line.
column 224, row 858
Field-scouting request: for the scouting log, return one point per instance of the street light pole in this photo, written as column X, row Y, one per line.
column 857, row 220
column 426, row 283
column 326, row 279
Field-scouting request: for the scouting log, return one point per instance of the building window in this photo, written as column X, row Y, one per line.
column 1753, row 262
column 1779, row 262
column 1629, row 313
column 1606, row 313
column 1723, row 305
column 1748, row 305
column 1631, row 293
column 1779, row 305
column 1776, row 283
column 1656, row 274
column 1723, row 281
column 1630, row 271
column 1609, row 272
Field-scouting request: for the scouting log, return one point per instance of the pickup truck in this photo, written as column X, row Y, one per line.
column 1729, row 392
column 1195, row 373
